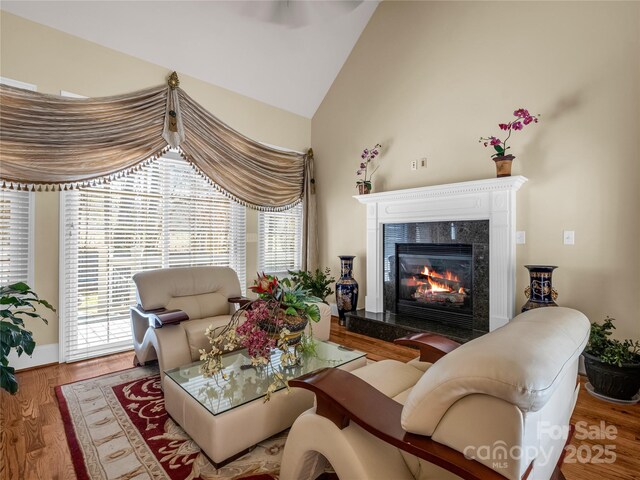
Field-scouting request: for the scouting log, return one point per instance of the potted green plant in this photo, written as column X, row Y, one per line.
column 17, row 302
column 317, row 282
column 613, row 366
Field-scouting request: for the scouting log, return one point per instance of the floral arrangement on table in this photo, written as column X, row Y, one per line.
column 276, row 320
column 364, row 185
column 523, row 118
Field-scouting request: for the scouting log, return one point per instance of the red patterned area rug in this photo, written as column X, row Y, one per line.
column 117, row 428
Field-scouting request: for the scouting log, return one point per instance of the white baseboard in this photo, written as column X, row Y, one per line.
column 42, row 355
column 334, row 309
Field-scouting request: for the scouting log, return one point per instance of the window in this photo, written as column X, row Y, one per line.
column 16, row 226
column 280, row 241
column 165, row 215
column 16, row 234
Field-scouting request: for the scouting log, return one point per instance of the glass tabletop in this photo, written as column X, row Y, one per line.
column 244, row 384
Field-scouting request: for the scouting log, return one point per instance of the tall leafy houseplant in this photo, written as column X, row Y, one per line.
column 17, row 302
column 317, row 282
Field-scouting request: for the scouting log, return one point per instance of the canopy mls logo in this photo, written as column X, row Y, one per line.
column 499, row 454
column 551, row 437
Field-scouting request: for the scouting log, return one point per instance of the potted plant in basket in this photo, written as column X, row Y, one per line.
column 276, row 320
column 317, row 282
column 501, row 157
column 613, row 366
column 364, row 185
column 17, row 302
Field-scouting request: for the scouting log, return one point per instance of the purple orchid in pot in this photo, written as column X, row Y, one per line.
column 501, row 157
column 364, row 185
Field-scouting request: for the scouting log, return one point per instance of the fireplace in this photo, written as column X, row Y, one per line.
column 479, row 213
column 436, row 274
column 434, row 282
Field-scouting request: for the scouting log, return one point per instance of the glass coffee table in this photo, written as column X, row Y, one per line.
column 227, row 415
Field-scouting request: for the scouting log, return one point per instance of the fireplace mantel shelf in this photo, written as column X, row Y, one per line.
column 492, row 199
column 434, row 191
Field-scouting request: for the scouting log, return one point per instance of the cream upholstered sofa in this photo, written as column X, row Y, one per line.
column 175, row 307
column 496, row 407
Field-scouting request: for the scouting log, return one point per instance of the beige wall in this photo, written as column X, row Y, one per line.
column 55, row 61
column 426, row 79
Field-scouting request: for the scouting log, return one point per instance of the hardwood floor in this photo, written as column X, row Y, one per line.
column 33, row 443
column 32, row 440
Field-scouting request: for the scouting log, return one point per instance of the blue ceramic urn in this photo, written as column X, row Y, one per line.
column 346, row 288
column 540, row 292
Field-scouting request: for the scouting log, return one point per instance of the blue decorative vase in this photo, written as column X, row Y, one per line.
column 346, row 288
column 540, row 292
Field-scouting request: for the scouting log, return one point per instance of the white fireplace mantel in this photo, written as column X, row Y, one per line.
column 492, row 199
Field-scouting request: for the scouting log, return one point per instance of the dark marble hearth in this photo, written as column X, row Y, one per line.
column 389, row 326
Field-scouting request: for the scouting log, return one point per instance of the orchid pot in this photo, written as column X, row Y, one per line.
column 364, row 188
column 366, row 170
column 503, row 165
column 501, row 157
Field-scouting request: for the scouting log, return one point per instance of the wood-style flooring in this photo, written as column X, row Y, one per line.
column 33, row 443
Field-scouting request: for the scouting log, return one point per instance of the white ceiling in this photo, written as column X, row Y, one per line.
column 284, row 53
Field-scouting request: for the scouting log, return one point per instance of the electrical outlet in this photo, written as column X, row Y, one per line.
column 423, row 162
column 414, row 164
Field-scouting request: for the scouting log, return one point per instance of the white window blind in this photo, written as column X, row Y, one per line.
column 15, row 236
column 165, row 215
column 16, row 225
column 280, row 241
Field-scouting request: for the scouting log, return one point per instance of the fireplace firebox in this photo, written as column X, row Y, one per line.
column 434, row 282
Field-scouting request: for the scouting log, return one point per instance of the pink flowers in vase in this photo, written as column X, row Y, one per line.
column 364, row 185
column 523, row 118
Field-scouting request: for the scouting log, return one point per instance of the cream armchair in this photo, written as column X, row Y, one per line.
column 175, row 307
column 494, row 408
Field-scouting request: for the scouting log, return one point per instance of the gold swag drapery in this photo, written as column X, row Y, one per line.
column 51, row 141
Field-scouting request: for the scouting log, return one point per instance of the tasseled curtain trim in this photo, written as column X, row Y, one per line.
column 52, row 143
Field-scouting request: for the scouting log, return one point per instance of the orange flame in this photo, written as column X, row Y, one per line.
column 433, row 274
column 438, row 287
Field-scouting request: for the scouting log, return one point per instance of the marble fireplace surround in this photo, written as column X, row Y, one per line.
column 491, row 199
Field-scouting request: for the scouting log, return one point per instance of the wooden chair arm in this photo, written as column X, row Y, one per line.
column 160, row 317
column 342, row 397
column 242, row 301
column 432, row 347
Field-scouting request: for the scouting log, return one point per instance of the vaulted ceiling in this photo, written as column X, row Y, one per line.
column 284, row 53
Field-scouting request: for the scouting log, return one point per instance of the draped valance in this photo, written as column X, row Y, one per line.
column 50, row 141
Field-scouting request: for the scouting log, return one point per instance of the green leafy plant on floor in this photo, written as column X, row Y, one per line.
column 17, row 302
column 317, row 283
column 611, row 351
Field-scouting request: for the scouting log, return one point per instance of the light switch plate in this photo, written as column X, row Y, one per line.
column 521, row 237
column 569, row 237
